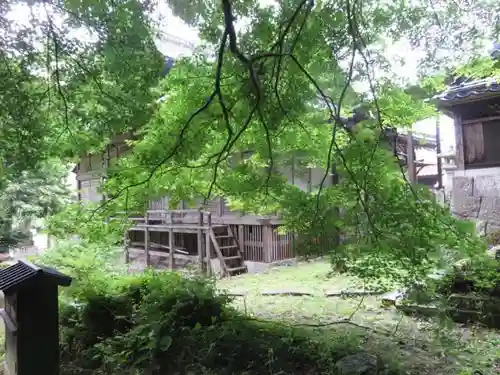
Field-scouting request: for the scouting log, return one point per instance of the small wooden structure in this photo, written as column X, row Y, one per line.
column 474, row 175
column 31, row 317
column 475, row 107
column 186, row 236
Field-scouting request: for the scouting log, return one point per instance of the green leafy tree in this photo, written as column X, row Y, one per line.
column 230, row 122
column 28, row 196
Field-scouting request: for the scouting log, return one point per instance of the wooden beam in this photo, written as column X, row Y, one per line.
column 164, row 254
column 153, row 245
column 482, row 119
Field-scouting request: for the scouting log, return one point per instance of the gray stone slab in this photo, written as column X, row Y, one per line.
column 294, row 293
column 390, row 298
column 236, row 294
column 352, row 293
column 233, row 293
column 486, row 209
column 467, row 207
column 427, row 310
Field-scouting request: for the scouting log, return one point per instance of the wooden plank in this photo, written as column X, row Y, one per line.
column 459, row 142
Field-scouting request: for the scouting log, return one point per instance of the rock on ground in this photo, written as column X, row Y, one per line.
column 358, row 364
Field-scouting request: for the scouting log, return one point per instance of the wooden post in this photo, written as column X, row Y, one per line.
column 126, row 246
column 146, row 239
column 459, row 142
column 207, row 243
column 200, row 238
column 220, row 206
column 241, row 238
column 267, row 243
column 410, row 159
column 309, row 180
column 439, row 161
column 171, row 243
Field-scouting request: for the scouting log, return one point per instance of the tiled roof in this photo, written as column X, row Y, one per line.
column 466, row 90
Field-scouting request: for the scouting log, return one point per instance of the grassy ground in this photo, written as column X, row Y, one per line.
column 422, row 346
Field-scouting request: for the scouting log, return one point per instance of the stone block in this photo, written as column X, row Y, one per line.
column 486, row 186
column 492, row 227
column 463, row 186
column 467, row 207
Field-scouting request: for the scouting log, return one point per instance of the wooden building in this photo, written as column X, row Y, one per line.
column 474, row 106
column 229, row 242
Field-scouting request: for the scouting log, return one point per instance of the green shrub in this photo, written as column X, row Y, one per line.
column 479, row 275
column 166, row 324
column 130, row 323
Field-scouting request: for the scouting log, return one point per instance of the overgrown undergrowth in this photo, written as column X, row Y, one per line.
column 165, row 323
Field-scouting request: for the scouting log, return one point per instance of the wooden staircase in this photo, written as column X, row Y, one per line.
column 228, row 251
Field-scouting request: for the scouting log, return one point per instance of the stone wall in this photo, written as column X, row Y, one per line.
column 477, row 198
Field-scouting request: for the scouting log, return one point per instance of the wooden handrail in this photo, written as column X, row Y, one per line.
column 186, row 211
column 180, row 211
